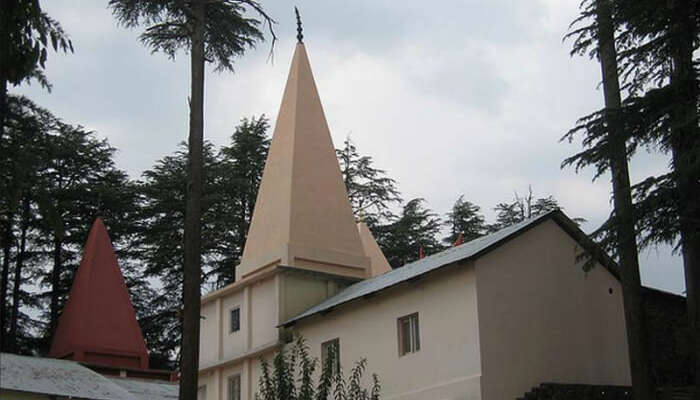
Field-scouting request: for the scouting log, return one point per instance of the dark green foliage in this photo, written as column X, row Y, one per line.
column 371, row 192
column 56, row 178
column 290, row 377
column 416, row 227
column 163, row 192
column 231, row 180
column 161, row 239
column 21, row 159
column 26, row 35
column 240, row 172
column 650, row 45
column 645, row 43
column 228, row 32
column 464, row 219
column 75, row 187
column 522, row 208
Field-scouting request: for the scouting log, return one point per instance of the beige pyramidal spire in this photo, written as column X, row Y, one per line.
column 302, row 216
column 378, row 263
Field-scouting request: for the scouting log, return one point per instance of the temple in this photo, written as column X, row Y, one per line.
column 98, row 324
column 98, row 350
column 488, row 319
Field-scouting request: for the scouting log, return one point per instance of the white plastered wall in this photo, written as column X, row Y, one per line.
column 543, row 319
column 447, row 365
column 236, row 351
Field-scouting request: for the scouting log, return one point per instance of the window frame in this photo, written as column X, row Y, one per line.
column 230, row 319
column 414, row 333
column 324, row 354
column 229, row 387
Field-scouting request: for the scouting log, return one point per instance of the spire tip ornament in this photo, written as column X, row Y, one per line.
column 300, row 36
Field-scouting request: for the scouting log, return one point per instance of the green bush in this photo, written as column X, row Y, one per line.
column 290, row 377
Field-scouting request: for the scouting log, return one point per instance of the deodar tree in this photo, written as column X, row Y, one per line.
column 213, row 31
column 656, row 44
column 465, row 220
column 413, row 232
column 659, row 63
column 241, row 168
column 606, row 147
column 370, row 191
column 26, row 35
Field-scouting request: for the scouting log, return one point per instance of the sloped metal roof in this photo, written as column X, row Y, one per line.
column 56, row 377
column 430, row 263
column 148, row 389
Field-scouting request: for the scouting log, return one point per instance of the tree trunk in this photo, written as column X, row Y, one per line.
column 642, row 384
column 4, row 109
column 12, row 336
column 55, row 284
column 189, row 366
column 4, row 280
column 685, row 148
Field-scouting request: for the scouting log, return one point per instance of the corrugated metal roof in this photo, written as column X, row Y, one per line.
column 56, row 377
column 423, row 266
column 147, row 389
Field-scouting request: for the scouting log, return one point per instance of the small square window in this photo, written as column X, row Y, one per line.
column 234, row 387
column 331, row 349
column 235, row 320
column 409, row 338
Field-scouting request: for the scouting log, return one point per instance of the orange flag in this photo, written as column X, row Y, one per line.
column 458, row 241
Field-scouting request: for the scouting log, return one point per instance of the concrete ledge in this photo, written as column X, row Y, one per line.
column 254, row 352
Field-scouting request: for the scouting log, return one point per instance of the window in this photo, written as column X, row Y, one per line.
column 234, row 387
column 202, row 393
column 235, row 320
column 331, row 349
column 409, row 339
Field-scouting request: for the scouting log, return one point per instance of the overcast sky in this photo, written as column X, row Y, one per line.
column 468, row 97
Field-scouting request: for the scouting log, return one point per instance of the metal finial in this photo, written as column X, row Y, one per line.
column 300, row 36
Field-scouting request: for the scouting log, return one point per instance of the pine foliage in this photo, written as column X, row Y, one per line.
column 27, row 33
column 228, row 31
column 370, row 191
column 464, row 219
column 416, row 228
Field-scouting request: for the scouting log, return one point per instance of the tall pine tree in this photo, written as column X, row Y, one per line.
column 370, row 191
column 414, row 231
column 465, row 220
column 606, row 139
column 241, row 168
column 214, row 32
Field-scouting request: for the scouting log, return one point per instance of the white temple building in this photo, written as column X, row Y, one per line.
column 489, row 319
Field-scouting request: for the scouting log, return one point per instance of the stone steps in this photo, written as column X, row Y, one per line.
column 561, row 391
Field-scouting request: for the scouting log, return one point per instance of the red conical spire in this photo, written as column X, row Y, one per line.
column 98, row 324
